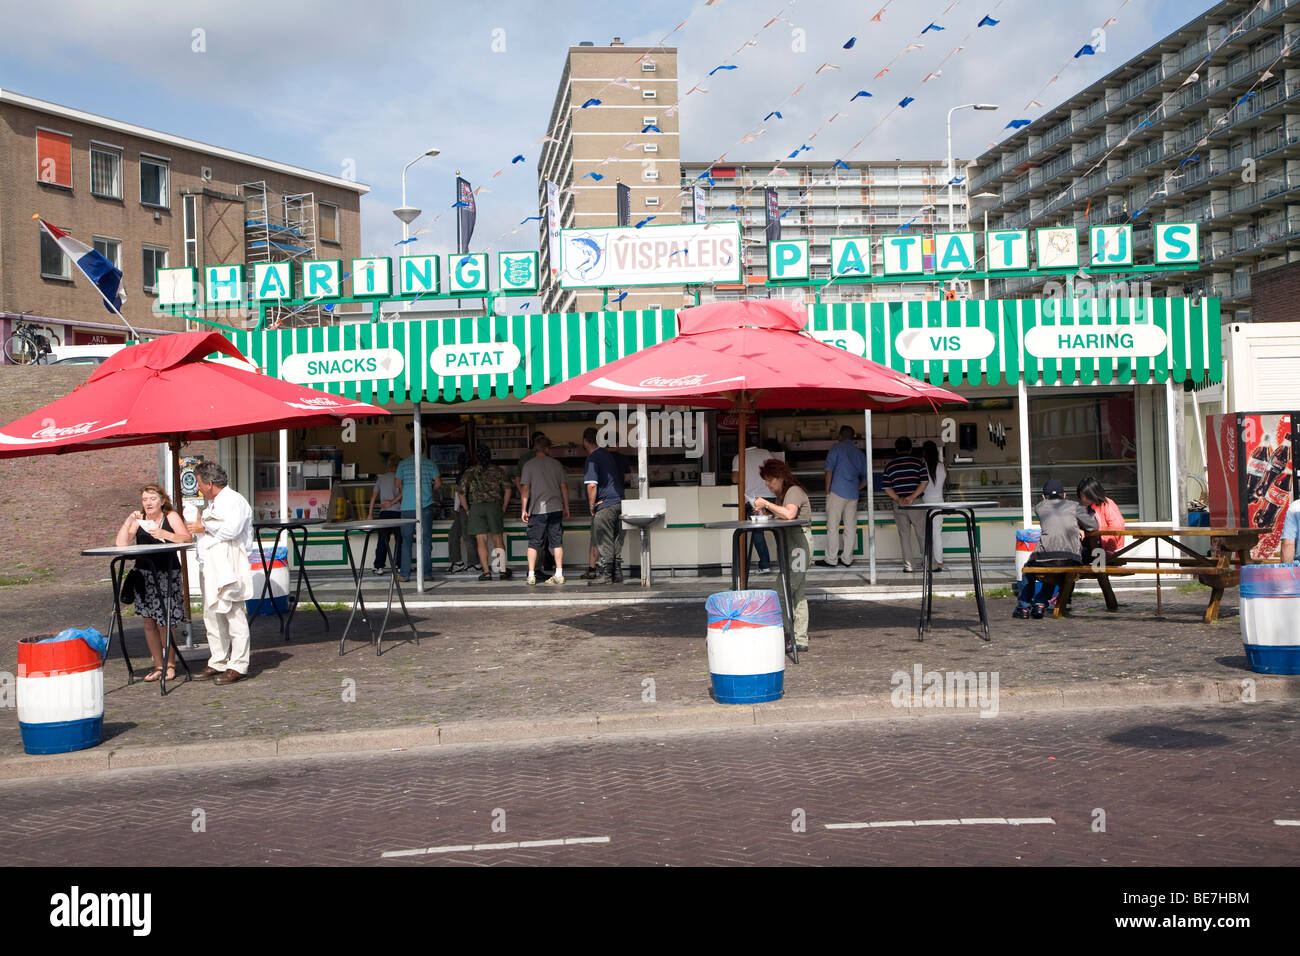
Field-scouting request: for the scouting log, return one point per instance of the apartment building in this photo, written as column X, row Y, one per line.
column 146, row 200
column 636, row 88
column 822, row 201
column 1170, row 137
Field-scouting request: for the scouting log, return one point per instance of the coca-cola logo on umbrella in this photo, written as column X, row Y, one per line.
column 51, row 431
column 657, row 383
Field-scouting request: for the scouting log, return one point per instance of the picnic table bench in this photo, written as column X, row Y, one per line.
column 1217, row 572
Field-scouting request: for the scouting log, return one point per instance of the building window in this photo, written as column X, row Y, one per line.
column 54, row 264
column 54, row 158
column 649, row 121
column 649, row 95
column 650, row 174
column 652, row 200
column 648, row 66
column 110, row 249
column 329, row 222
column 652, row 147
column 189, row 212
column 153, row 182
column 105, row 172
column 155, row 258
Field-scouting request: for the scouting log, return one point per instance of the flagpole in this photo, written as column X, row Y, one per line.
column 111, row 306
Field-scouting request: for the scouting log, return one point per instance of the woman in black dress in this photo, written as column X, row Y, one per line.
column 157, row 522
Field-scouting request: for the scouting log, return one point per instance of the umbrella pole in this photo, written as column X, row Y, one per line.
column 175, row 445
column 743, row 426
column 871, row 503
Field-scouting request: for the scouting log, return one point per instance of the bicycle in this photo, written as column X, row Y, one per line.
column 28, row 345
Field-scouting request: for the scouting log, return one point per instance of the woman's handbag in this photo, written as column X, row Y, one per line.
column 132, row 586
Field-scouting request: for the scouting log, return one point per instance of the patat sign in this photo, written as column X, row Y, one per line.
column 1008, row 250
column 323, row 279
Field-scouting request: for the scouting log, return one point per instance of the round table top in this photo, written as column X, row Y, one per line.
column 754, row 525
column 137, row 550
column 951, row 505
column 287, row 522
column 377, row 524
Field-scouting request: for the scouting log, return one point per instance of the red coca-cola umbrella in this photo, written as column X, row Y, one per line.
column 168, row 390
column 747, row 356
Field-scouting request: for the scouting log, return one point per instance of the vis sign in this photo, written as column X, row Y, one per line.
column 698, row 253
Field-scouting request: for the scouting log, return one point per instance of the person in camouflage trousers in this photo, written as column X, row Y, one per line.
column 487, row 490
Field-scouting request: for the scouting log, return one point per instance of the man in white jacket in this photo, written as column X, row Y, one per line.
column 226, row 538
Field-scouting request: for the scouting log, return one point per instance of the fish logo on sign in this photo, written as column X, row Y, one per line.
column 585, row 257
column 517, row 271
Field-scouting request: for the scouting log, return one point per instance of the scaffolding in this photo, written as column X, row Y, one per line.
column 280, row 227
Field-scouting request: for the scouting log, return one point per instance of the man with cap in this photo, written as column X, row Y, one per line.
column 1062, row 522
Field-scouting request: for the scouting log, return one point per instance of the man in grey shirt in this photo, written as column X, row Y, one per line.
column 1062, row 522
column 545, row 504
column 389, row 500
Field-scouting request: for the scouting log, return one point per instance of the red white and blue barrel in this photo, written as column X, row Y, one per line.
column 746, row 644
column 1270, row 617
column 279, row 582
column 1026, row 542
column 60, row 695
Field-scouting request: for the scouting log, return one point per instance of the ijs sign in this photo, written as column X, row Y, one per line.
column 698, row 253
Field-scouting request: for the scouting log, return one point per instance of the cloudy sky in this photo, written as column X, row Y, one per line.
column 335, row 86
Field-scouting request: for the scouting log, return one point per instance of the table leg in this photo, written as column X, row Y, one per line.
column 1212, row 609
column 172, row 653
column 735, row 560
column 357, row 599
column 266, row 583
column 1159, row 606
column 1108, row 592
column 1067, row 591
column 927, row 580
column 976, row 571
column 116, row 572
column 393, row 583
column 300, row 553
column 786, row 594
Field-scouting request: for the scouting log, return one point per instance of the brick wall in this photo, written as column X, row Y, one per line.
column 54, row 506
column 1275, row 294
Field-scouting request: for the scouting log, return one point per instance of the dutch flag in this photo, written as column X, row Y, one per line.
column 102, row 273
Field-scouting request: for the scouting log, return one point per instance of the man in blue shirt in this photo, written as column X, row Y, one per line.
column 604, row 482
column 1290, row 532
column 429, row 479
column 846, row 476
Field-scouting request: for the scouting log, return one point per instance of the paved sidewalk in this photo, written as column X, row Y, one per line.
column 548, row 670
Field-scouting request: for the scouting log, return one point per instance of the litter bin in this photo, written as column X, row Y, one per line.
column 279, row 582
column 60, row 693
column 1026, row 542
column 1270, row 629
column 746, row 642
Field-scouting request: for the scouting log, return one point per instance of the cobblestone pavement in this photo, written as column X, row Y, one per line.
column 512, row 663
column 1177, row 786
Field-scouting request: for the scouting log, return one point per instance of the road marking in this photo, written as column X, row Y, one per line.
column 1287, row 823
column 472, row 847
column 963, row 822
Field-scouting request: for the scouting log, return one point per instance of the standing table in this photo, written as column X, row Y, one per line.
column 116, row 572
column 369, row 528
column 966, row 511
column 291, row 527
column 740, row 578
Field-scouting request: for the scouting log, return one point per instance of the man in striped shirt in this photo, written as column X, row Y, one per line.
column 904, row 478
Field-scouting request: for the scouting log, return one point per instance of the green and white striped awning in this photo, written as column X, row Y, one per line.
column 556, row 347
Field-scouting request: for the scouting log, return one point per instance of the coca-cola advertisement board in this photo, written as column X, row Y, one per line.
column 1251, row 474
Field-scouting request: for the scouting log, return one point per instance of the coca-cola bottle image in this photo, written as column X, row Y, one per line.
column 1277, row 499
column 1277, row 464
column 1256, row 469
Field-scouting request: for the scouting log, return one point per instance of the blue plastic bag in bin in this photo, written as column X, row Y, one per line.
column 255, row 559
column 88, row 634
column 754, row 608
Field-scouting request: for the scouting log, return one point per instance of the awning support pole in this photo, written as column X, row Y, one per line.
column 1023, row 403
column 417, row 533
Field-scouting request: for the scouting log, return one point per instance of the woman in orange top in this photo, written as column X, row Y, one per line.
column 1093, row 497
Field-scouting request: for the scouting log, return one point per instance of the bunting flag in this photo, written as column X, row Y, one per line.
column 857, row 94
column 623, row 198
column 987, row 21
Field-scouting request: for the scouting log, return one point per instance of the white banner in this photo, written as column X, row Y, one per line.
column 553, row 225
column 700, row 214
column 652, row 255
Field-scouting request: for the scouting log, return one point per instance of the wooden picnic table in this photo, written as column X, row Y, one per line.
column 1217, row 571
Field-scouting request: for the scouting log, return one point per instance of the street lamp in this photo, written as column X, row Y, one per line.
column 986, row 233
column 965, row 106
column 408, row 214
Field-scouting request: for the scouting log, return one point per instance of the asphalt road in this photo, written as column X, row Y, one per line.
column 1139, row 786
